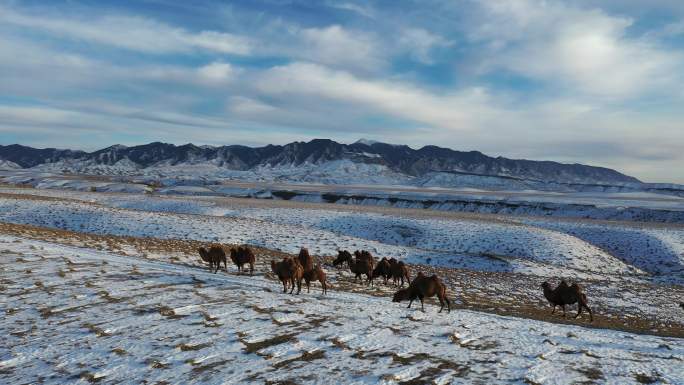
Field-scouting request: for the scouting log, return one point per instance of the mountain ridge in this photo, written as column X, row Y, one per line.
column 397, row 158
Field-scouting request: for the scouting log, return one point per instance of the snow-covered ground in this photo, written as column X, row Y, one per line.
column 451, row 241
column 613, row 205
column 654, row 249
column 467, row 243
column 76, row 315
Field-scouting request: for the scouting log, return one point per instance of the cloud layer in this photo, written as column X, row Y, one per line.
column 519, row 78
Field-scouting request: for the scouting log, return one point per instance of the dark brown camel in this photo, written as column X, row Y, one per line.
column 399, row 272
column 241, row 256
column 214, row 256
column 288, row 271
column 382, row 269
column 356, row 266
column 305, row 259
column 424, row 287
column 567, row 295
column 364, row 255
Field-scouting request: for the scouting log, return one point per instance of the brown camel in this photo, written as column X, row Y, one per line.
column 567, row 295
column 288, row 271
column 305, row 259
column 241, row 256
column 316, row 274
column 424, row 287
column 382, row 269
column 399, row 272
column 214, row 256
column 356, row 266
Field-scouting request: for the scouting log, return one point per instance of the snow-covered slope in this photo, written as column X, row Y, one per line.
column 458, row 243
column 72, row 315
column 632, row 244
column 8, row 165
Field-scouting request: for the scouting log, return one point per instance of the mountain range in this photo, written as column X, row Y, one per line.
column 395, row 159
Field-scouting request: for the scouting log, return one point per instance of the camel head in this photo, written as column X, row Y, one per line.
column 342, row 256
column 401, row 295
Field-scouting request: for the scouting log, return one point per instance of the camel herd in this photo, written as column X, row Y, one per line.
column 240, row 256
column 292, row 270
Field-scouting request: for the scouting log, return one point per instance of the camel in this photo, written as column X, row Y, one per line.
column 567, row 295
column 241, row 256
column 214, row 256
column 424, row 287
column 316, row 274
column 382, row 269
column 399, row 271
column 364, row 255
column 356, row 266
column 305, row 259
column 288, row 271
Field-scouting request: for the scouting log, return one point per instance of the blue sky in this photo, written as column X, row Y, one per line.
column 571, row 81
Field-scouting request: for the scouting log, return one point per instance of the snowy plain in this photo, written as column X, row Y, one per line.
column 454, row 243
column 634, row 205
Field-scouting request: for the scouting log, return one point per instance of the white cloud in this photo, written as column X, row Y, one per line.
column 419, row 43
column 131, row 33
column 336, row 46
column 217, row 73
column 362, row 10
column 455, row 111
column 583, row 50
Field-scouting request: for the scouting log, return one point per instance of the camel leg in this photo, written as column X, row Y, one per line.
column 308, row 286
column 292, row 281
column 441, row 303
column 299, row 286
column 448, row 304
column 563, row 306
column 325, row 287
column 554, row 309
column 591, row 316
column 410, row 302
column 579, row 309
column 251, row 268
column 422, row 304
column 284, row 281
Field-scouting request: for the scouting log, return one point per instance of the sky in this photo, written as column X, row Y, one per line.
column 598, row 83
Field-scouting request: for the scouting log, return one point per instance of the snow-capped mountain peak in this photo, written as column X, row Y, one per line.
column 367, row 142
